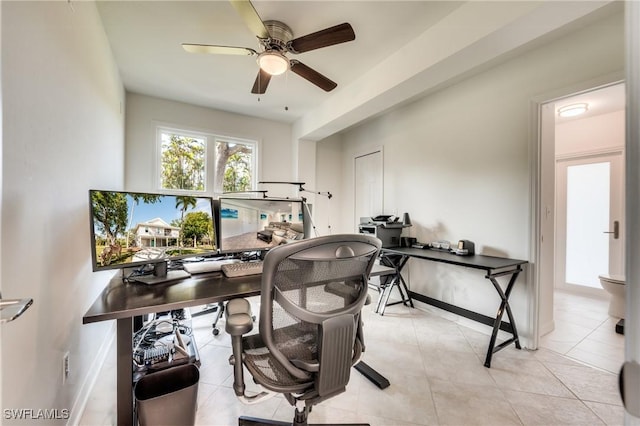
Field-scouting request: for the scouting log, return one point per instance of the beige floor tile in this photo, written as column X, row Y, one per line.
column 435, row 365
column 588, row 384
column 565, row 336
column 512, row 374
column 222, row 408
column 606, row 357
column 457, row 367
column 536, row 410
column 406, row 400
column 393, row 360
column 612, row 415
column 483, row 405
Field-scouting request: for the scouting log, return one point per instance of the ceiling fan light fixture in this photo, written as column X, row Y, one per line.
column 573, row 110
column 272, row 62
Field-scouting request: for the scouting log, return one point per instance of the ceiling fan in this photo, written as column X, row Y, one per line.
column 276, row 40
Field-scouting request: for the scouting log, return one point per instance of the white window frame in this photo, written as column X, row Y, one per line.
column 210, row 139
column 254, row 159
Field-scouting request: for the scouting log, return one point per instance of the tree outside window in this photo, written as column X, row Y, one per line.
column 234, row 166
column 182, row 162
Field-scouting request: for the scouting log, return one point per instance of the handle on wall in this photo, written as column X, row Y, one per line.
column 616, row 230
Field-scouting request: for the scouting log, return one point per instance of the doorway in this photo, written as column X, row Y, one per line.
column 368, row 185
column 581, row 199
column 589, row 220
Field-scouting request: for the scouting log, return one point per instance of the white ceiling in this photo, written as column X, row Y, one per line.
column 602, row 100
column 402, row 49
column 146, row 39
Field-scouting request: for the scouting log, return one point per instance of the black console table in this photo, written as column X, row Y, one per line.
column 494, row 267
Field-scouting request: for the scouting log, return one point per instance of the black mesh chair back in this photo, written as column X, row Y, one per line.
column 310, row 325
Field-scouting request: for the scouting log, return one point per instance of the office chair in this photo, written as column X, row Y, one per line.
column 218, row 310
column 310, row 330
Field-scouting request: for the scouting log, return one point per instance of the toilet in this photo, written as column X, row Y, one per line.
column 614, row 285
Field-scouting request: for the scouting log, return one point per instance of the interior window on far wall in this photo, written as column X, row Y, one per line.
column 182, row 160
column 194, row 161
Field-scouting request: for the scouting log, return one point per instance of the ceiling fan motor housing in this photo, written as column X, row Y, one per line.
column 280, row 33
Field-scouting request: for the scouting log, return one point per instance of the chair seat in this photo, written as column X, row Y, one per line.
column 268, row 371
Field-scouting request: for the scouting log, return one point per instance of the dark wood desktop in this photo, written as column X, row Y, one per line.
column 124, row 301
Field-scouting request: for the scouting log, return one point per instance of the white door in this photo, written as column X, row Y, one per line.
column 368, row 186
column 590, row 219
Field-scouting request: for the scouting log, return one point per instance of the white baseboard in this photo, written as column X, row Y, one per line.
column 547, row 327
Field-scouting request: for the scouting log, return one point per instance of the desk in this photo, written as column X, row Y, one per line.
column 123, row 301
column 493, row 266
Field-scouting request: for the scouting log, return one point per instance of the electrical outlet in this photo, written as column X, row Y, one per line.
column 66, row 369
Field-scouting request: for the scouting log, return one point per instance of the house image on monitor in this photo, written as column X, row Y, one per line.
column 156, row 233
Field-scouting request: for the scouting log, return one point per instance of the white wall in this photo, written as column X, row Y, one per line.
column 458, row 161
column 275, row 147
column 1, row 115
column 324, row 176
column 63, row 129
column 601, row 132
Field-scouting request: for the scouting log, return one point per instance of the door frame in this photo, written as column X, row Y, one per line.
column 541, row 168
column 604, row 155
column 355, row 157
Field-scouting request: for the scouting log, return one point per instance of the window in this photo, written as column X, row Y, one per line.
column 182, row 161
column 193, row 161
column 234, row 166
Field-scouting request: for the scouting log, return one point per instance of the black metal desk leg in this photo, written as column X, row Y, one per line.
column 124, row 372
column 504, row 305
column 405, row 296
column 397, row 280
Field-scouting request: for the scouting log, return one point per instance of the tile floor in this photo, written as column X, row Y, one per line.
column 584, row 331
column 437, row 377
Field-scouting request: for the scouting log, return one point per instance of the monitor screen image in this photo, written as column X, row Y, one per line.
column 130, row 229
column 258, row 224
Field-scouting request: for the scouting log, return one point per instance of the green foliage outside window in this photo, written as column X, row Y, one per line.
column 234, row 166
column 183, row 163
column 183, row 160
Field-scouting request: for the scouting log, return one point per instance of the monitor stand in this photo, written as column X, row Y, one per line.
column 161, row 275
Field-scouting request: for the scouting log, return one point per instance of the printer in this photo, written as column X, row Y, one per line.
column 387, row 228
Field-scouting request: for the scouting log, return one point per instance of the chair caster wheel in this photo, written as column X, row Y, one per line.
column 216, row 331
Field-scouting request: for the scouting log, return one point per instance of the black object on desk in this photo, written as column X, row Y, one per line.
column 495, row 267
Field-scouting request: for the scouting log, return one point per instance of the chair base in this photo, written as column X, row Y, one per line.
column 252, row 421
column 218, row 309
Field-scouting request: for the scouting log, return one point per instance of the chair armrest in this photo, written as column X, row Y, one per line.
column 238, row 315
column 239, row 322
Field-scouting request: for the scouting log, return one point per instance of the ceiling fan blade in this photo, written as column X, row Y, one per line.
column 251, row 18
column 323, row 38
column 313, row 76
column 261, row 83
column 218, row 50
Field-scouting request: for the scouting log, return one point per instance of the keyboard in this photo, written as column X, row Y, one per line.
column 206, row 265
column 242, row 269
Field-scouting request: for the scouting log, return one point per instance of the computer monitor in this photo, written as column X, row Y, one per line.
column 148, row 231
column 258, row 224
